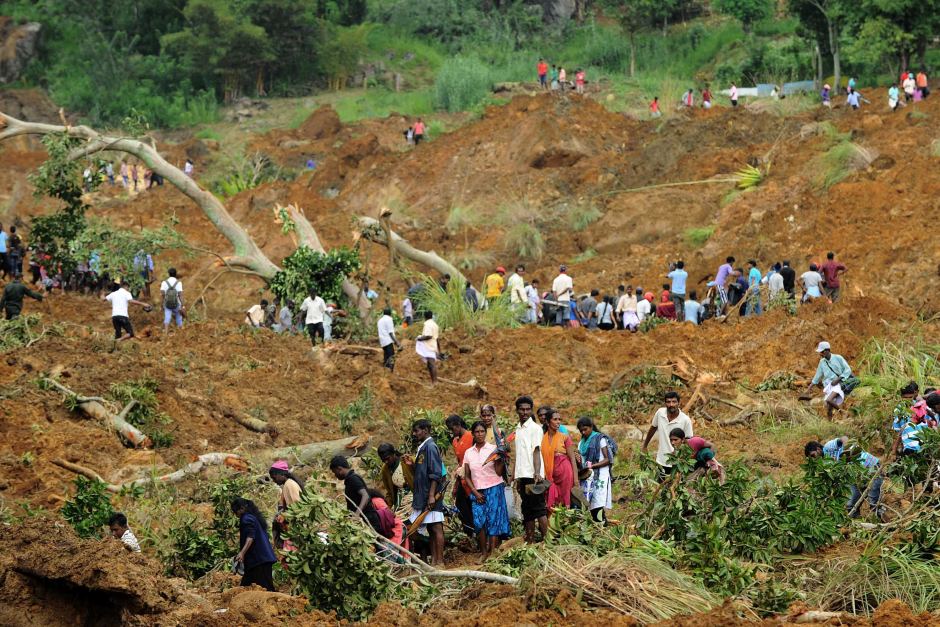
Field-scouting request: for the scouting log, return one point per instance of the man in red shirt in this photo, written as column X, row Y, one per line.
column 831, row 271
column 542, row 69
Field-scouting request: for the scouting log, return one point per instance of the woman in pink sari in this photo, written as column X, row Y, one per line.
column 558, row 462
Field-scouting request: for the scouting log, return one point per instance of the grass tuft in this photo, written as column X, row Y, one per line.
column 697, row 236
column 840, row 161
column 525, row 240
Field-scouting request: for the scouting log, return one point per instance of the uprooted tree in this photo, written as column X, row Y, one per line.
column 247, row 256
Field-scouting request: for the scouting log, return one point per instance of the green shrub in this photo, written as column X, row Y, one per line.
column 582, row 216
column 697, row 236
column 525, row 240
column 587, row 255
column 346, row 416
column 840, row 161
column 339, row 573
column 89, row 510
column 639, row 394
column 306, row 269
column 145, row 414
column 193, row 549
column 451, row 309
column 461, row 83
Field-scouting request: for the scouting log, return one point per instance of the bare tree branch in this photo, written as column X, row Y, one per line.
column 372, row 230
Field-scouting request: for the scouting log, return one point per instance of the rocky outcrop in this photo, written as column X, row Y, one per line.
column 18, row 46
column 556, row 11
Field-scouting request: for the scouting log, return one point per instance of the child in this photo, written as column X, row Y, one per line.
column 119, row 529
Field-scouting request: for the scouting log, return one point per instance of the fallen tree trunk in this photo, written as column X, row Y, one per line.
column 306, row 453
column 230, row 460
column 371, row 229
column 93, row 408
column 250, row 422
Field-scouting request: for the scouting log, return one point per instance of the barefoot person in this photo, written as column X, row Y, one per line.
column 120, row 298
column 528, row 471
column 428, row 503
column 834, row 375
column 387, row 339
column 256, row 555
column 426, row 344
column 664, row 421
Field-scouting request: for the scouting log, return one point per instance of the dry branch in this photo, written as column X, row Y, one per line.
column 249, row 422
column 203, row 461
column 742, row 417
column 94, row 408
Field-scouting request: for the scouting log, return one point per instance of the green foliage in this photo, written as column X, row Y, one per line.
column 839, row 162
column 451, row 310
column 439, row 430
column 339, row 572
column 306, row 269
column 745, row 11
column 651, row 322
column 636, row 395
column 525, row 240
column 583, row 215
column 779, row 380
column 586, row 255
column 24, row 330
column 782, row 301
column 89, row 510
column 248, row 172
column 144, row 414
column 347, row 416
column 697, row 236
column 193, row 549
column 341, row 51
column 224, row 524
column 461, row 83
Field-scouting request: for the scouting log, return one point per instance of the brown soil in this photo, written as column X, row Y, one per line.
column 536, row 154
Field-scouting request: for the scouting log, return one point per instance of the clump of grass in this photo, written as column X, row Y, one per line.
column 587, row 255
column 23, row 331
column 461, row 219
column 461, row 83
column 346, row 416
column 451, row 309
column 208, row 133
column 858, row 584
column 841, row 161
column 696, row 237
column 583, row 215
column 525, row 240
column 935, row 148
column 472, row 259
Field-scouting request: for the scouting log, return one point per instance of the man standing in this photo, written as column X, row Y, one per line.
column 775, row 282
column 789, row 279
column 470, row 297
column 542, row 70
column 587, row 310
column 315, row 308
column 753, row 288
column 3, row 252
column 528, row 470
column 426, row 344
column 831, row 270
column 428, row 474
column 693, row 309
column 833, row 374
column 172, row 291
column 533, row 302
column 516, row 286
column 143, row 263
column 493, row 284
column 119, row 299
column 677, row 292
column 562, row 289
column 387, row 339
column 12, row 300
column 734, row 95
column 664, row 421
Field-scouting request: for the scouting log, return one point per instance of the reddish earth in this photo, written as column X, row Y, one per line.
column 531, row 160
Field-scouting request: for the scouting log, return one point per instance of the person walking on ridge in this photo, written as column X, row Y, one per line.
column 831, row 271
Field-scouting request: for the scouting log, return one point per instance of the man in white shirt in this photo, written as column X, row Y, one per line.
column 426, row 344
column 171, row 291
column 387, row 339
column 254, row 317
column 643, row 306
column 665, row 420
column 534, row 302
column 315, row 308
column 528, row 470
column 562, row 289
column 119, row 299
column 516, row 286
column 775, row 282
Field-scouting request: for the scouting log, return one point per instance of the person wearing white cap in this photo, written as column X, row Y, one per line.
column 834, row 375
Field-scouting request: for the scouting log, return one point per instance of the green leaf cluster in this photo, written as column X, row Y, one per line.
column 346, row 416
column 145, row 415
column 307, row 269
column 335, row 565
column 89, row 510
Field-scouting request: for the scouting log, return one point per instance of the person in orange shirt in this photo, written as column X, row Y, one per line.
column 654, row 108
column 542, row 69
column 462, row 441
column 921, row 81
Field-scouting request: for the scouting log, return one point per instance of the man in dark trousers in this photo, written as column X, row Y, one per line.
column 789, row 279
column 12, row 300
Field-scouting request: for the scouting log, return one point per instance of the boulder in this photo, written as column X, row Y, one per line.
column 18, row 46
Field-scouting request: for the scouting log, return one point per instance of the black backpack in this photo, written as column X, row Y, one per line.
column 171, row 298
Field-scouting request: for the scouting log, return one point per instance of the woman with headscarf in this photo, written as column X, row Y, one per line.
column 595, row 461
column 558, row 461
column 483, row 472
column 291, row 487
column 256, row 555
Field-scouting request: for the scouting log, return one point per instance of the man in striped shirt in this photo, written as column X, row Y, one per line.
column 836, row 449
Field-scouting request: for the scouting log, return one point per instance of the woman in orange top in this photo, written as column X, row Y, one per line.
column 558, row 461
column 462, row 441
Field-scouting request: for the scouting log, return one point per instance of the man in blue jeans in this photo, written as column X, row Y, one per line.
column 836, row 449
column 677, row 292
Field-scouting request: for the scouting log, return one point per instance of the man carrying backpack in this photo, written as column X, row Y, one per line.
column 172, row 291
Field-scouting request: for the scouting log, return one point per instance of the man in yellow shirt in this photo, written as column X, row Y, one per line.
column 493, row 284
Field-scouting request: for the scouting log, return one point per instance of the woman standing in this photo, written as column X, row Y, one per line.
column 558, row 461
column 494, row 434
column 462, row 441
column 595, row 457
column 605, row 314
column 483, row 468
column 256, row 554
column 291, row 487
